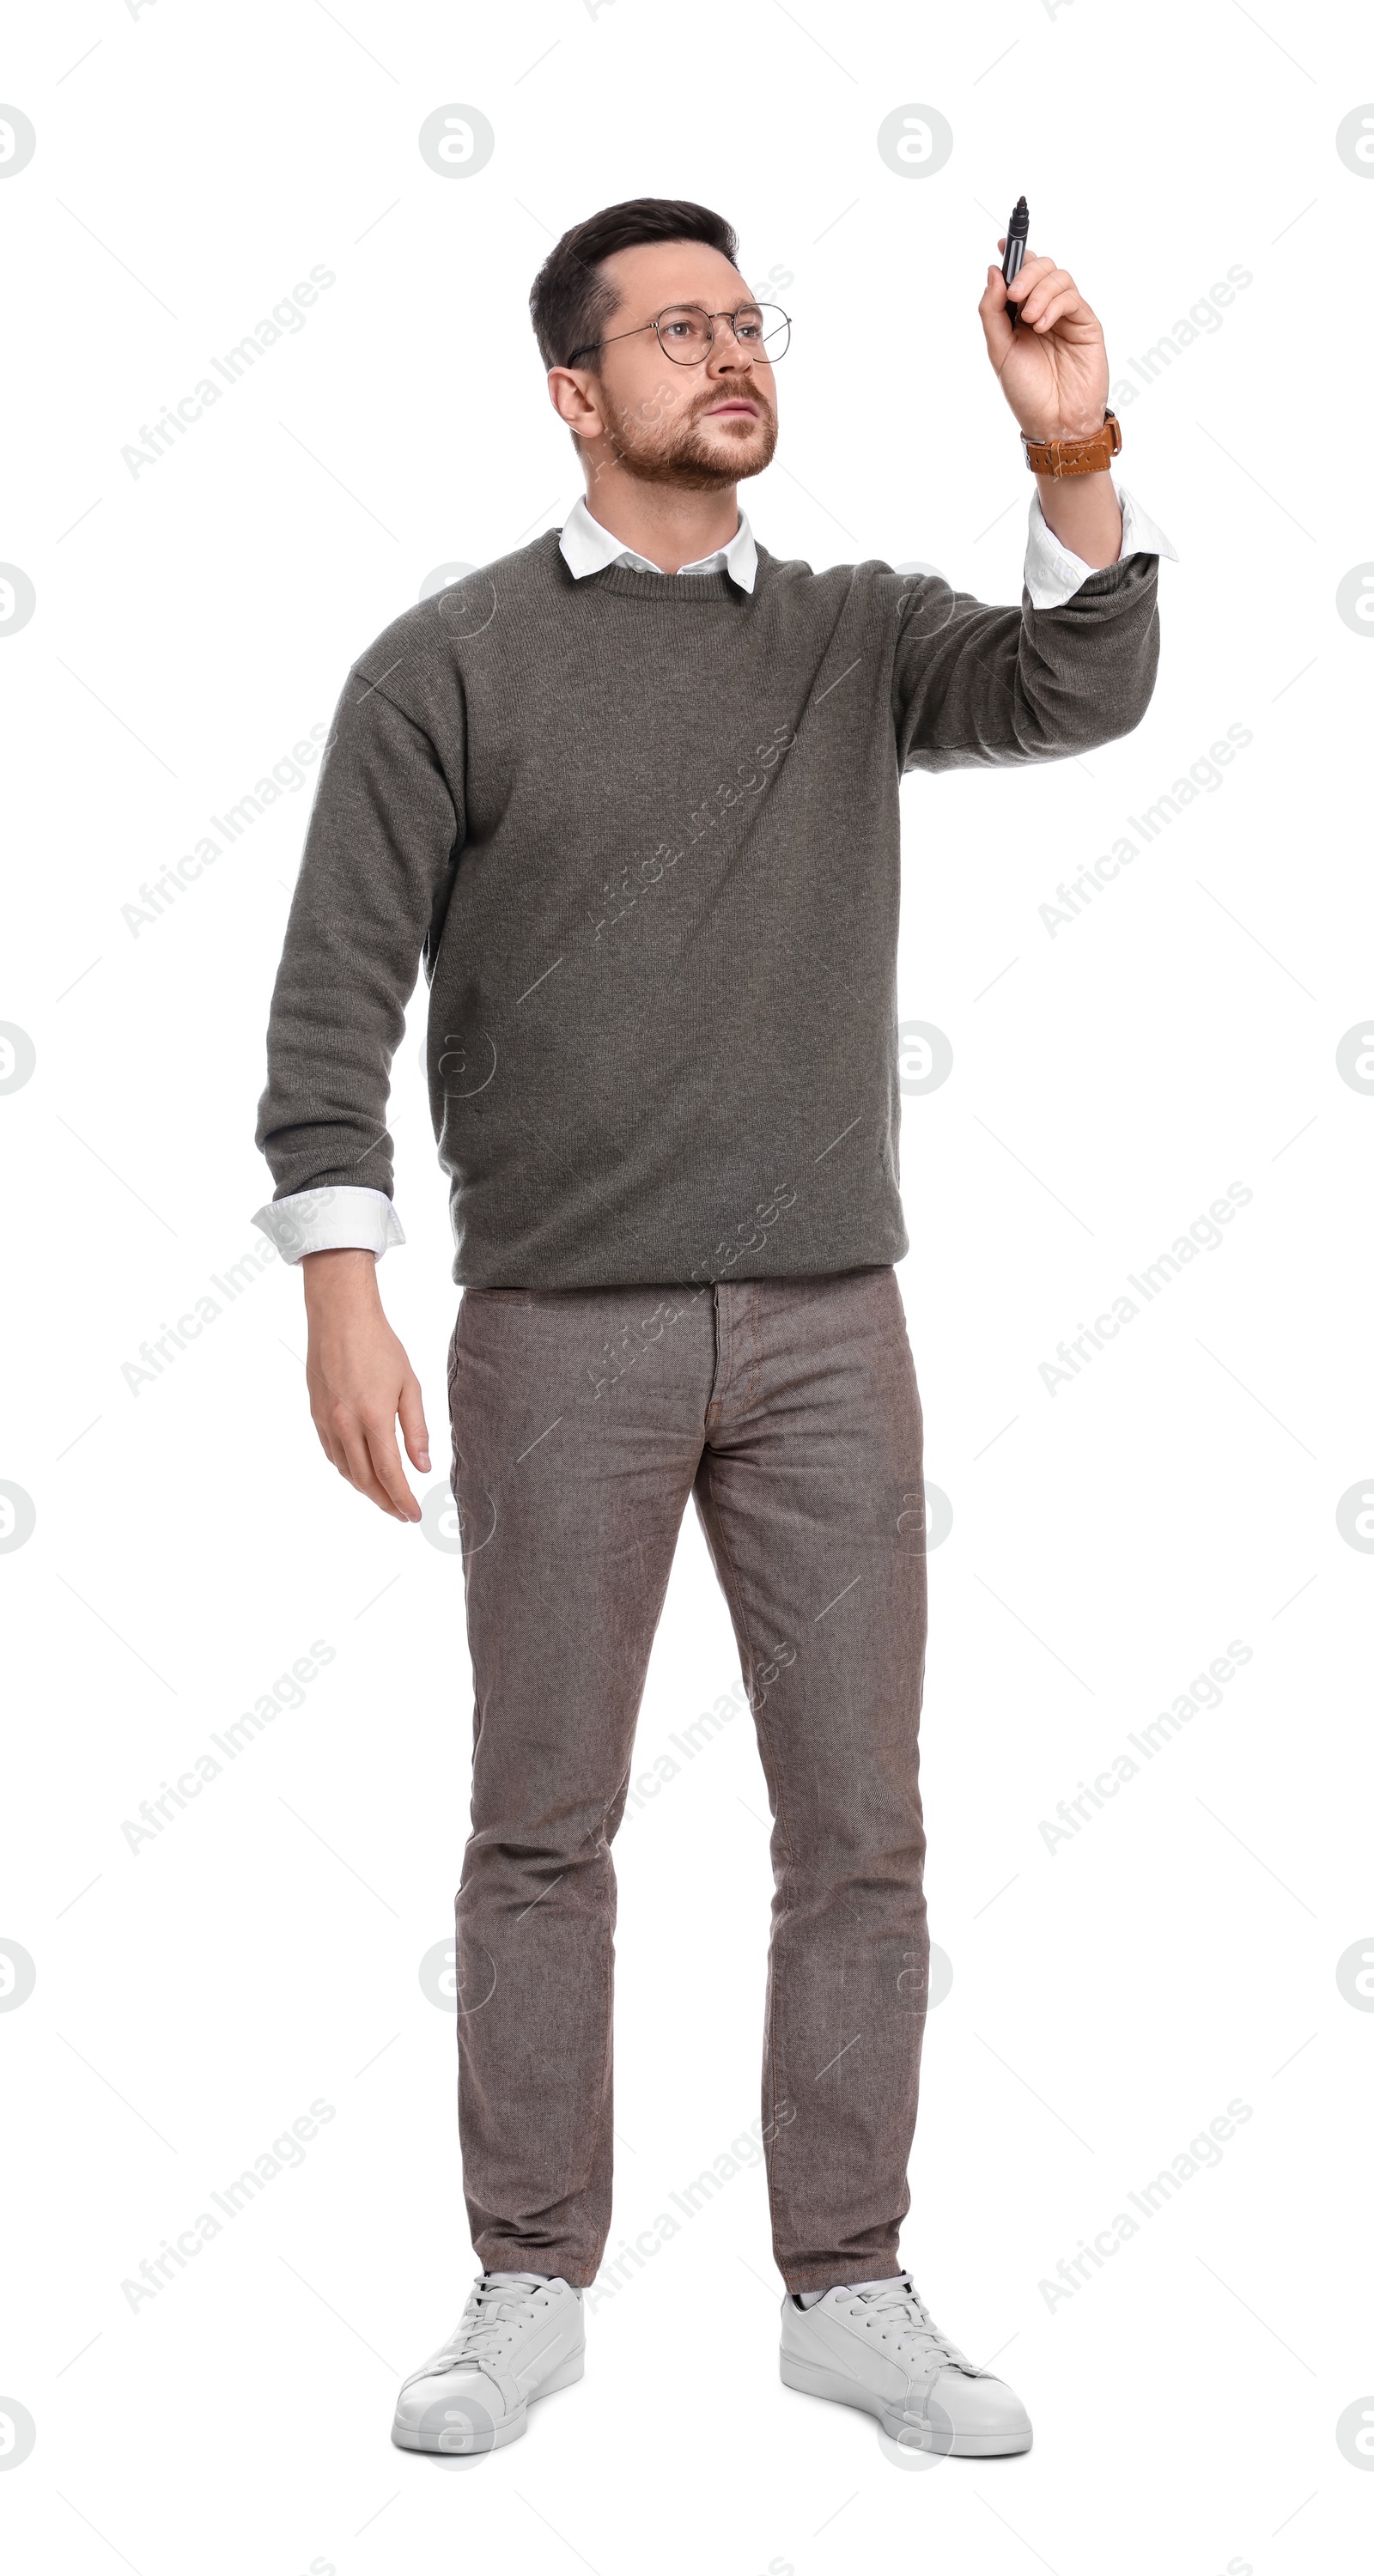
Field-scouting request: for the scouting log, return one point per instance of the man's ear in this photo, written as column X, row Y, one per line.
column 570, row 394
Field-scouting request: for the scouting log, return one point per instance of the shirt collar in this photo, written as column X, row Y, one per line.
column 587, row 547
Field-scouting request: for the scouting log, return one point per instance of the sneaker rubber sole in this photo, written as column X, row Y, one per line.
column 407, row 2439
column 816, row 2381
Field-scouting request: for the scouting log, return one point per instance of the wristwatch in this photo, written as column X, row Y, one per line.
column 1061, row 456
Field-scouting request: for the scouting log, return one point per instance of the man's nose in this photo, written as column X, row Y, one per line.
column 725, row 353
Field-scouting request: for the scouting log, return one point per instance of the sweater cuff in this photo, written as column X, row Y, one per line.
column 1053, row 574
column 333, row 1219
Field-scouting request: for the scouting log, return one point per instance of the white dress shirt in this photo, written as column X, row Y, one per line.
column 339, row 1216
column 586, row 546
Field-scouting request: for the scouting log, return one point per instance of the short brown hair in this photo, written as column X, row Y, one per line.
column 570, row 299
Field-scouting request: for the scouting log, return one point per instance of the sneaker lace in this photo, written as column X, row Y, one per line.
column 908, row 2323
column 497, row 2306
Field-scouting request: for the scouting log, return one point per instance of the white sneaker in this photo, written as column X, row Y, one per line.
column 879, row 2348
column 519, row 2337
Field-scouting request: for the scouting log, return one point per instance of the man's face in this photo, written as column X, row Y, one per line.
column 699, row 427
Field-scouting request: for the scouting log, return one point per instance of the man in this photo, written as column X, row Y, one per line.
column 633, row 791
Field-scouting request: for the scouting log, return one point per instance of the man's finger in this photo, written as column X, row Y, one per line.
column 1045, row 289
column 412, row 1414
column 359, row 1467
column 385, row 1460
column 1057, row 310
column 1030, row 272
column 1054, row 281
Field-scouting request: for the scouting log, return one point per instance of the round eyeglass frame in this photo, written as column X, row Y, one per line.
column 770, row 357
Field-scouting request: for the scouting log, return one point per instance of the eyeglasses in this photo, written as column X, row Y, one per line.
column 685, row 334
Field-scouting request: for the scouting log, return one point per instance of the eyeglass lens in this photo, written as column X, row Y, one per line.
column 685, row 333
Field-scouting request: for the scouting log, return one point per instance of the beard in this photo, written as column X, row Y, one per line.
column 683, row 449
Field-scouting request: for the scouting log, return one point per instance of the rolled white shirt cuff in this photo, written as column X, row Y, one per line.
column 1053, row 574
column 333, row 1219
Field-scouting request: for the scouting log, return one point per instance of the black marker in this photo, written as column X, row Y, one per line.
column 1018, row 225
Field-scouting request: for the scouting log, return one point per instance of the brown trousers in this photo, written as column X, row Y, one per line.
column 582, row 1420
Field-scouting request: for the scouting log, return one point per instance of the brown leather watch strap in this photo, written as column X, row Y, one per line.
column 1061, row 456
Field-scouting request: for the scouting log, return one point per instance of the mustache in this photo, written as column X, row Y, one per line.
column 689, row 415
column 734, row 393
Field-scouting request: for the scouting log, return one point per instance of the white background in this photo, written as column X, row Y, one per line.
column 1110, row 1997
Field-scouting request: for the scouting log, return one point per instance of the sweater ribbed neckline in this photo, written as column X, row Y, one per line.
column 671, row 589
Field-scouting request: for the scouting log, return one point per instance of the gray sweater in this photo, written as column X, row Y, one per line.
column 644, row 836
